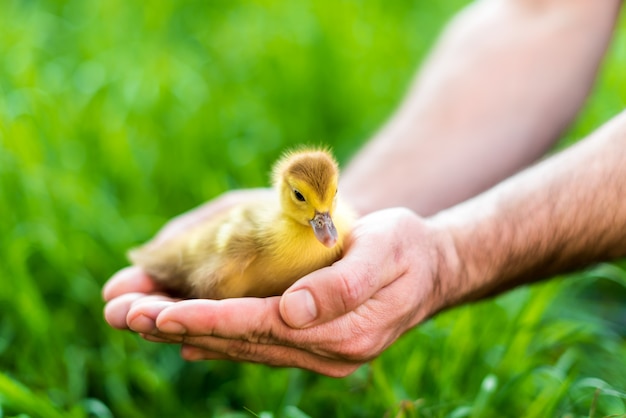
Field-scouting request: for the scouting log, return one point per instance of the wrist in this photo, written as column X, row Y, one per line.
column 471, row 256
column 451, row 271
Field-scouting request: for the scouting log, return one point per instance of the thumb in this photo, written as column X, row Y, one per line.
column 381, row 248
column 333, row 291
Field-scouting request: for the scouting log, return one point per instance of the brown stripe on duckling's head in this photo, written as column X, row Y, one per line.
column 315, row 167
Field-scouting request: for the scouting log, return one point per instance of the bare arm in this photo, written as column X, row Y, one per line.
column 503, row 82
column 563, row 214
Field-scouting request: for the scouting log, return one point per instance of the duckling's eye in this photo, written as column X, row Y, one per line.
column 298, row 196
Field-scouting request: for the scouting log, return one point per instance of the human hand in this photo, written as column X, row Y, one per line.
column 331, row 321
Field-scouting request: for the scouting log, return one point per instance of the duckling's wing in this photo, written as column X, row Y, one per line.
column 210, row 260
column 238, row 242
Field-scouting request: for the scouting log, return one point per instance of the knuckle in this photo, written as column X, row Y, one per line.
column 240, row 349
column 350, row 290
column 249, row 346
column 261, row 338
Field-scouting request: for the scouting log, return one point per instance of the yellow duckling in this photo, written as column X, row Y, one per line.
column 259, row 249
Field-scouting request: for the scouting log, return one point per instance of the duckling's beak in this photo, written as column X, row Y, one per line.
column 324, row 229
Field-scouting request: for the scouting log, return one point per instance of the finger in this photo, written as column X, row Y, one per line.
column 142, row 313
column 369, row 264
column 278, row 356
column 254, row 320
column 251, row 329
column 246, row 329
column 192, row 353
column 131, row 279
column 258, row 321
column 157, row 339
column 200, row 348
column 116, row 310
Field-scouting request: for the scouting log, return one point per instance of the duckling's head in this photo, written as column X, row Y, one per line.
column 307, row 182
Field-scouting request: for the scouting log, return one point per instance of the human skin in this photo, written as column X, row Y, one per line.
column 480, row 96
column 484, row 105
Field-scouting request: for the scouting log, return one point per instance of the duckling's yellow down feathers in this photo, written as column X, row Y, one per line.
column 259, row 248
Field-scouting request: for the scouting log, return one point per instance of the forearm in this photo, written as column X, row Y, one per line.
column 505, row 79
column 564, row 213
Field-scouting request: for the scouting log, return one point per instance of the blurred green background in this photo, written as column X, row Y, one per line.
column 117, row 115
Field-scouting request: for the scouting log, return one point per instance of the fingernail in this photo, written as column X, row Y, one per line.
column 171, row 327
column 300, row 308
column 142, row 323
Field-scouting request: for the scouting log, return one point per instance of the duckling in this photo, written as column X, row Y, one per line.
column 259, row 249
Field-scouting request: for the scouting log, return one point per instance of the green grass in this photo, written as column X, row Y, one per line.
column 117, row 115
